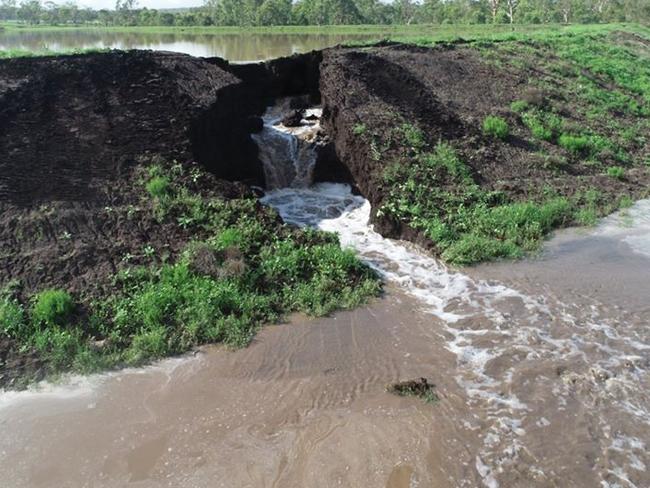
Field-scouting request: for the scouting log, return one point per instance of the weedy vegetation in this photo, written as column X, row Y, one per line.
column 243, row 269
column 496, row 127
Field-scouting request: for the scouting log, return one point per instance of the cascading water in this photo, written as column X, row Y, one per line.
column 288, row 153
column 520, row 359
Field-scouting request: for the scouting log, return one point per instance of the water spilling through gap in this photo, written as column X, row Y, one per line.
column 541, row 367
column 288, row 153
column 558, row 391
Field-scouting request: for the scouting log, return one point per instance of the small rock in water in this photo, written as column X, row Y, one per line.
column 294, row 119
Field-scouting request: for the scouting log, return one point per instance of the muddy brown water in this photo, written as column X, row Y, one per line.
column 240, row 47
column 540, row 366
column 306, row 405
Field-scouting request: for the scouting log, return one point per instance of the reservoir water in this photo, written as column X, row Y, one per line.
column 241, row 47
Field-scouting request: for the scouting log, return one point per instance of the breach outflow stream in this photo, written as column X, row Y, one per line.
column 542, row 376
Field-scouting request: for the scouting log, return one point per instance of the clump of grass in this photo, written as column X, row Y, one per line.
column 359, row 129
column 519, row 106
column 413, row 136
column 543, row 125
column 625, row 202
column 12, row 318
column 616, row 172
column 52, row 308
column 418, row 388
column 496, row 127
column 158, row 187
column 574, row 144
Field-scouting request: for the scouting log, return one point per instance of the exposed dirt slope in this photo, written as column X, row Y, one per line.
column 446, row 92
column 73, row 130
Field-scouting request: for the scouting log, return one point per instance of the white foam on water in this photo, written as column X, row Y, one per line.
column 535, row 331
column 631, row 225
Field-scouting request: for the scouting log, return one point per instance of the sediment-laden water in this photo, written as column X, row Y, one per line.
column 556, row 386
column 541, row 368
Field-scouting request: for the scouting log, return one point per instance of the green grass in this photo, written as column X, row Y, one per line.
column 616, row 172
column 158, row 187
column 243, row 270
column 20, row 53
column 435, row 193
column 52, row 308
column 12, row 318
column 574, row 144
column 496, row 127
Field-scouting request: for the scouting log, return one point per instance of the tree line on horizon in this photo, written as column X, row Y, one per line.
column 332, row 12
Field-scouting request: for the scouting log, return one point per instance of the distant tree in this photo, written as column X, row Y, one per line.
column 343, row 12
column 166, row 18
column 105, row 17
column 511, row 9
column 30, row 11
column 274, row 12
column 311, row 12
column 494, row 9
column 8, row 10
column 371, row 11
column 406, row 11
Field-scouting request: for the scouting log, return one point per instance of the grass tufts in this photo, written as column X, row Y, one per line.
column 496, row 127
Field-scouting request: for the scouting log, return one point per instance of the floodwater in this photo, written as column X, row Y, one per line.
column 238, row 48
column 540, row 366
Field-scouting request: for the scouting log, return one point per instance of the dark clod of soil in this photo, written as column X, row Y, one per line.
column 420, row 388
column 293, row 119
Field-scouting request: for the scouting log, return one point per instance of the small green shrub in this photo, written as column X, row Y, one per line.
column 574, row 144
column 473, row 248
column 541, row 132
column 12, row 318
column 587, row 216
column 616, row 172
column 413, row 136
column 148, row 344
column 59, row 346
column 625, row 202
column 519, row 106
column 445, row 156
column 158, row 187
column 359, row 129
column 496, row 127
column 52, row 308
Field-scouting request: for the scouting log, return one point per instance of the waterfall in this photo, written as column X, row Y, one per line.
column 288, row 154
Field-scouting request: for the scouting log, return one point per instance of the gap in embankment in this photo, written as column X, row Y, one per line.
column 221, row 137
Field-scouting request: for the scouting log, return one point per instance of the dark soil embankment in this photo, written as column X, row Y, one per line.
column 74, row 128
column 446, row 92
column 405, row 125
column 79, row 135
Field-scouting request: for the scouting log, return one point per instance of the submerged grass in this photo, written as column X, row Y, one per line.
column 244, row 269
